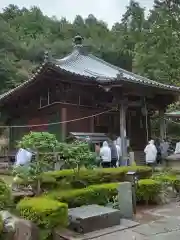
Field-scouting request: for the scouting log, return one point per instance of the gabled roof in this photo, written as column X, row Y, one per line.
column 81, row 63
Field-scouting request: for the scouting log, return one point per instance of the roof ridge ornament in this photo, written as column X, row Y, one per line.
column 78, row 44
column 78, row 40
column 48, row 57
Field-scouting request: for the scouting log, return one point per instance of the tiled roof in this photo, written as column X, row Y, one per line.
column 79, row 62
column 90, row 66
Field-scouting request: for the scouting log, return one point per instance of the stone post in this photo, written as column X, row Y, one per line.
column 125, row 200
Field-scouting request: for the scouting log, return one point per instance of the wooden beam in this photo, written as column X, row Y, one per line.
column 122, row 112
column 63, row 125
column 162, row 123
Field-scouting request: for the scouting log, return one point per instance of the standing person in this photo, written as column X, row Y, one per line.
column 164, row 148
column 23, row 158
column 159, row 151
column 119, row 149
column 177, row 149
column 151, row 153
column 114, row 154
column 105, row 154
column 119, row 153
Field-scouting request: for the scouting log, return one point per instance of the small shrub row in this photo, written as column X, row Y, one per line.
column 94, row 194
column 45, row 213
column 168, row 178
column 147, row 190
column 95, row 176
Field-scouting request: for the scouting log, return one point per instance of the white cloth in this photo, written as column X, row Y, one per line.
column 177, row 150
column 119, row 152
column 105, row 152
column 151, row 152
column 23, row 157
column 118, row 141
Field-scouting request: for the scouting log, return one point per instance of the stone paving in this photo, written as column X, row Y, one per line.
column 165, row 226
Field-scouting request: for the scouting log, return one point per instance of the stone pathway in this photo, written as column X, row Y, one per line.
column 164, row 224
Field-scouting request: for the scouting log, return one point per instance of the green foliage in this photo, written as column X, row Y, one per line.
column 102, row 194
column 168, row 179
column 76, row 155
column 94, row 194
column 148, row 189
column 132, row 43
column 39, row 141
column 46, row 213
column 44, row 145
column 5, row 195
column 27, row 33
column 100, row 175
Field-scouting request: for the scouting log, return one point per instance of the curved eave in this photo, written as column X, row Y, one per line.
column 116, row 81
column 94, row 79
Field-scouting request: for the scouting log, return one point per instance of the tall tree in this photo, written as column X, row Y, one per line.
column 158, row 53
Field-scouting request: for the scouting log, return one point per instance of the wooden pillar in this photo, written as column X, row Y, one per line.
column 162, row 123
column 122, row 112
column 92, row 125
column 63, row 125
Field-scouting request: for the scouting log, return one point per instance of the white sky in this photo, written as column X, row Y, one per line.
column 109, row 11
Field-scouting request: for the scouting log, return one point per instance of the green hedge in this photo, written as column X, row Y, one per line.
column 46, row 213
column 98, row 175
column 168, row 179
column 5, row 195
column 147, row 189
column 95, row 194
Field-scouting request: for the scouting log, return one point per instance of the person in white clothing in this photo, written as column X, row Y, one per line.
column 177, row 149
column 119, row 153
column 151, row 153
column 164, row 148
column 23, row 157
column 105, row 154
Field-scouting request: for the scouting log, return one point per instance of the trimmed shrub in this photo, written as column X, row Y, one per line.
column 100, row 175
column 94, row 194
column 101, row 194
column 48, row 182
column 5, row 195
column 172, row 180
column 147, row 190
column 46, row 213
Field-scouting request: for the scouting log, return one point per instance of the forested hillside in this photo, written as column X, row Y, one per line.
column 149, row 46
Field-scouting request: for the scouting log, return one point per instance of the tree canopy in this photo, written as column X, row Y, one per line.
column 149, row 45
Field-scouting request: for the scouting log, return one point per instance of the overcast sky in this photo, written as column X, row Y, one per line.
column 109, row 11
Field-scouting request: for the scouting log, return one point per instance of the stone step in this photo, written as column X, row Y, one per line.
column 92, row 217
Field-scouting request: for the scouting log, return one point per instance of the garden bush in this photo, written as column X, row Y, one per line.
column 147, row 190
column 94, row 194
column 45, row 213
column 103, row 193
column 99, row 175
column 168, row 179
column 5, row 195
